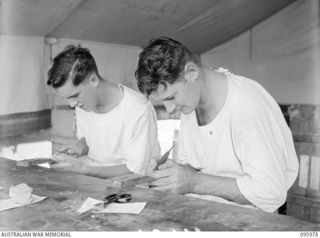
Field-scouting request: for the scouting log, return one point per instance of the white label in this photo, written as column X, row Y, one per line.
column 303, row 173
column 315, row 173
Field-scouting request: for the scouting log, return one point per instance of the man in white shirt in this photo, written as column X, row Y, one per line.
column 116, row 126
column 234, row 142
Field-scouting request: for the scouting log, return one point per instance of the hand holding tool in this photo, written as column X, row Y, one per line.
column 164, row 158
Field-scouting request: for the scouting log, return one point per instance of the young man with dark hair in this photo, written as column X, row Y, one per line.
column 234, row 143
column 116, row 126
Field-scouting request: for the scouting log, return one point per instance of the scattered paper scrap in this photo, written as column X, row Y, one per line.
column 88, row 204
column 9, row 203
column 129, row 208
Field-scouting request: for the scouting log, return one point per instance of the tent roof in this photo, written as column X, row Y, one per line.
column 200, row 24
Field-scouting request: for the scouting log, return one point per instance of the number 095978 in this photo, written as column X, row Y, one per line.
column 309, row 234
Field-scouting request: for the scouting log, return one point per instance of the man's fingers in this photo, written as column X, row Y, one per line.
column 58, row 165
column 165, row 188
column 169, row 163
column 59, row 157
column 68, row 150
column 63, row 149
column 161, row 173
column 71, row 152
column 160, row 182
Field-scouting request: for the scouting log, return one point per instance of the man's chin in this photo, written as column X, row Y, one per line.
column 186, row 111
column 86, row 109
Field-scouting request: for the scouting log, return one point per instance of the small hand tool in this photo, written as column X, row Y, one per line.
column 164, row 158
column 113, row 198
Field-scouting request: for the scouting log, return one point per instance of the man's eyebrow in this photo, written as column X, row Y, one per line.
column 169, row 97
column 74, row 95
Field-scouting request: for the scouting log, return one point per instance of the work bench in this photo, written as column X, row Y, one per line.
column 66, row 192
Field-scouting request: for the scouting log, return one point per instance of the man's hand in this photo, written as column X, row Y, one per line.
column 68, row 163
column 76, row 149
column 174, row 178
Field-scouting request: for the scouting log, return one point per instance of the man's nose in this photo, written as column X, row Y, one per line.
column 72, row 102
column 170, row 107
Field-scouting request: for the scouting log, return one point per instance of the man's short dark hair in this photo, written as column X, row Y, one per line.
column 75, row 63
column 161, row 62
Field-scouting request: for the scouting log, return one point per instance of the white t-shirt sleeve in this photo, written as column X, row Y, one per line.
column 260, row 146
column 142, row 150
column 80, row 123
column 182, row 157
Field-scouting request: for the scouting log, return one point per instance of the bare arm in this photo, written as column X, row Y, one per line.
column 183, row 179
column 224, row 187
column 77, row 165
column 106, row 171
column 77, row 149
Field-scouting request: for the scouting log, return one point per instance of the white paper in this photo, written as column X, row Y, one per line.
column 88, row 204
column 9, row 203
column 31, row 150
column 129, row 208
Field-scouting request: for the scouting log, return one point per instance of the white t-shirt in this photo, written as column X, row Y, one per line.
column 248, row 140
column 125, row 135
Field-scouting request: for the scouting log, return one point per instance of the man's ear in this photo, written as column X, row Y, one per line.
column 159, row 91
column 94, row 80
column 162, row 86
column 191, row 72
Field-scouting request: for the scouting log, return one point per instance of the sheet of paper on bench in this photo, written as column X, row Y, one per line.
column 9, row 203
column 129, row 208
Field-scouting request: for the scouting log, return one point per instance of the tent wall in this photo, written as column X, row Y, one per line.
column 282, row 53
column 23, row 63
column 24, row 100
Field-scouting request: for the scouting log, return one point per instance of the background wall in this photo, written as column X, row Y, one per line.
column 23, row 64
column 282, row 53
